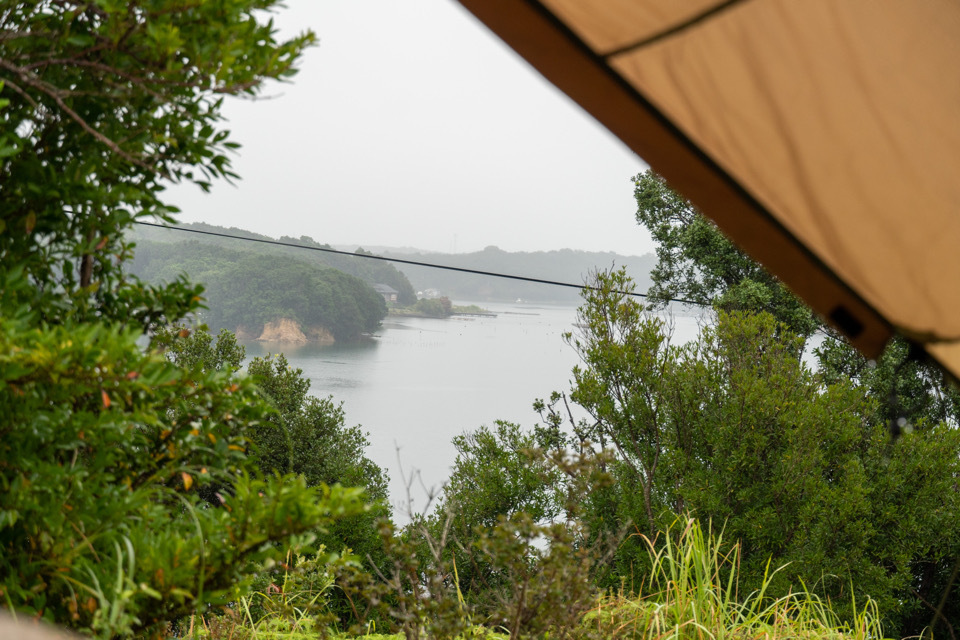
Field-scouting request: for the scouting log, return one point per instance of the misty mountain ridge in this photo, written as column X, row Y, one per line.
column 571, row 266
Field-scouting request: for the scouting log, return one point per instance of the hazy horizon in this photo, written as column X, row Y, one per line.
column 405, row 249
column 411, row 125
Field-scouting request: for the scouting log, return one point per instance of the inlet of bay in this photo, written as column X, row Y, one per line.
column 421, row 381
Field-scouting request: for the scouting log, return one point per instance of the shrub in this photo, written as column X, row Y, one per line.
column 103, row 452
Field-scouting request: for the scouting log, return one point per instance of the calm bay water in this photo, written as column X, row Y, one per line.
column 421, row 381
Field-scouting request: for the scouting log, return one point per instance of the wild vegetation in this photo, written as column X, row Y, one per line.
column 721, row 488
column 440, row 307
column 151, row 488
column 130, row 497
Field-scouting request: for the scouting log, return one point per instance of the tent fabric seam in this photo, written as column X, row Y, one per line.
column 676, row 29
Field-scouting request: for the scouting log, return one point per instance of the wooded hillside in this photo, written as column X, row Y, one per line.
column 370, row 271
column 247, row 289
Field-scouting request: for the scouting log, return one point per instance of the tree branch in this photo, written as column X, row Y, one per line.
column 55, row 95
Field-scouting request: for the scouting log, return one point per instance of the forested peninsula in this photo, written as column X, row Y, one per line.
column 370, row 271
column 266, row 295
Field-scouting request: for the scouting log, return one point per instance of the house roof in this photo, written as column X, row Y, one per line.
column 384, row 289
column 821, row 136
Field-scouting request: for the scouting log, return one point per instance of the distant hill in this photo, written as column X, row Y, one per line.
column 248, row 290
column 370, row 271
column 565, row 265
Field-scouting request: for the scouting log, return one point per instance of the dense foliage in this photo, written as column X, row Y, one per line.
column 310, row 438
column 736, row 429
column 247, row 289
column 434, row 307
column 696, row 262
column 497, row 475
column 906, row 392
column 299, row 434
column 137, row 488
column 733, row 429
column 106, row 452
column 108, row 102
column 106, row 448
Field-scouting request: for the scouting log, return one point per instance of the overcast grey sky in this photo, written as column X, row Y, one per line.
column 411, row 125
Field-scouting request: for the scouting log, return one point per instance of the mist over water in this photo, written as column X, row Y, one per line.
column 421, row 381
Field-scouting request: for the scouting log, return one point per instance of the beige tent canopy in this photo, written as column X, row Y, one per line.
column 823, row 136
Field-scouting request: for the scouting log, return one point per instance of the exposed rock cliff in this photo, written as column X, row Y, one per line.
column 290, row 331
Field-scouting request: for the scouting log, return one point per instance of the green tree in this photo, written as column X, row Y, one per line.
column 434, row 307
column 735, row 429
column 105, row 452
column 624, row 383
column 696, row 262
column 191, row 349
column 108, row 103
column 499, row 472
column 912, row 391
column 103, row 446
column 504, row 537
column 308, row 436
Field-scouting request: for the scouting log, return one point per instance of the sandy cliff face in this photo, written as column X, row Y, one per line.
column 282, row 330
column 287, row 330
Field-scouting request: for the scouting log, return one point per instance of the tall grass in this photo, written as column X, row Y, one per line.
column 288, row 611
column 692, row 594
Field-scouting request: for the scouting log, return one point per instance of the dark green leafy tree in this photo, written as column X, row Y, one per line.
column 803, row 472
column 108, row 103
column 302, row 434
column 308, row 436
column 499, row 473
column 191, row 349
column 918, row 395
column 298, row 434
column 503, row 547
column 623, row 383
column 104, row 446
column 735, row 429
column 106, row 451
column 696, row 262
